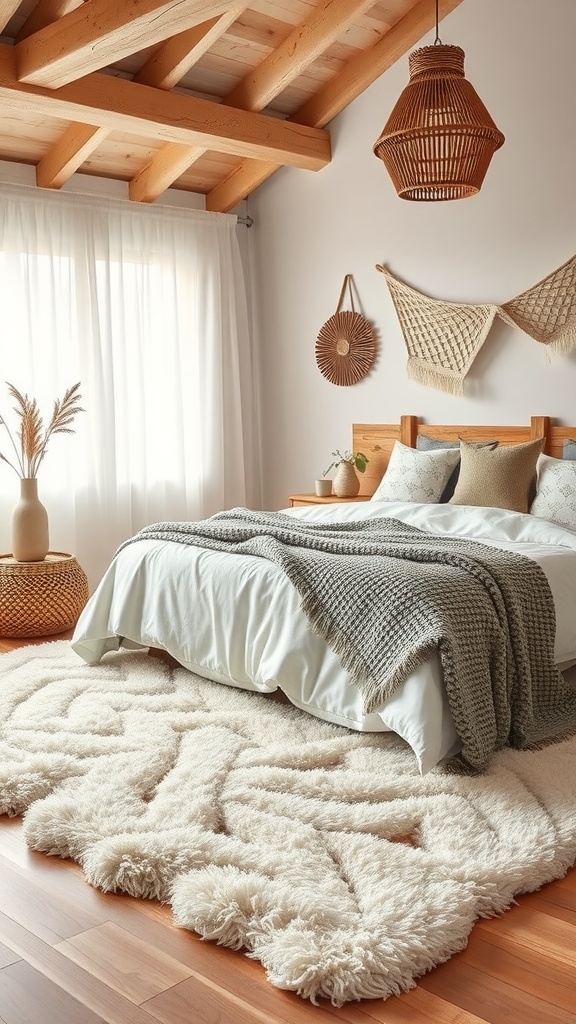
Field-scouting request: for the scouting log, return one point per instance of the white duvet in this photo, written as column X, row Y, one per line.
column 236, row 619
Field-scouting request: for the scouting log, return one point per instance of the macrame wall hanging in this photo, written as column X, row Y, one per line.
column 547, row 310
column 443, row 338
column 346, row 344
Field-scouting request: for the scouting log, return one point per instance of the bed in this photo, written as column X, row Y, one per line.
column 238, row 619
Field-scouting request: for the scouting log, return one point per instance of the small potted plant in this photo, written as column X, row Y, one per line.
column 345, row 483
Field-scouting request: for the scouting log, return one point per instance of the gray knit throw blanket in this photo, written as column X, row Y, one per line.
column 385, row 596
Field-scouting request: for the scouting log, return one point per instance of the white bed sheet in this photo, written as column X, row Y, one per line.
column 239, row 622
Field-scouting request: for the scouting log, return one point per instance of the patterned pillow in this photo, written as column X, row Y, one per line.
column 556, row 494
column 416, row 476
column 501, row 477
column 428, row 444
column 569, row 449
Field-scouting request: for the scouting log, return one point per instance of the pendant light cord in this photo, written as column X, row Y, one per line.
column 437, row 39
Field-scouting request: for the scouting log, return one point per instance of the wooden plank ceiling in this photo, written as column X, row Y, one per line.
column 210, row 96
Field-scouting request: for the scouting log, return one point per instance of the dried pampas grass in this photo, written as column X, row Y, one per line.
column 33, row 436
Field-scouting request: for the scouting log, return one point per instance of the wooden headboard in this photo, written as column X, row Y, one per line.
column 376, row 440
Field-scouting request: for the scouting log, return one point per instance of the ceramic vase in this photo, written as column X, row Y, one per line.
column 29, row 524
column 345, row 483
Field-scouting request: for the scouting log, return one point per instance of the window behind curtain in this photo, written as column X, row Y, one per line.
column 146, row 307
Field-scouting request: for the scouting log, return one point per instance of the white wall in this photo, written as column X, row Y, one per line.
column 310, row 229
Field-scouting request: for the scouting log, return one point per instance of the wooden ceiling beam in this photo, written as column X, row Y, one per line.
column 7, row 9
column 79, row 140
column 162, row 171
column 168, row 65
column 329, row 101
column 44, row 13
column 370, row 64
column 66, row 155
column 164, row 70
column 119, row 105
column 101, row 32
column 303, row 45
column 239, row 184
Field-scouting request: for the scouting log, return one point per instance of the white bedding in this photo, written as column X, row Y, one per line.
column 236, row 619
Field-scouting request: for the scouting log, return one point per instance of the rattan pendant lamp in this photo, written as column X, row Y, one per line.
column 439, row 139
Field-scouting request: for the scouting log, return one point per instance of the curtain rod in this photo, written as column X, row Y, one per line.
column 246, row 221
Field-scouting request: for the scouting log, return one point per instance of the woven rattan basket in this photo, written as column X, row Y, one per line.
column 41, row 598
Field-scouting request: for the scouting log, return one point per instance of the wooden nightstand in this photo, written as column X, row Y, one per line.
column 41, row 598
column 315, row 499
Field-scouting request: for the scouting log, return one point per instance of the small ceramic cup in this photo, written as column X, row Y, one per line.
column 323, row 488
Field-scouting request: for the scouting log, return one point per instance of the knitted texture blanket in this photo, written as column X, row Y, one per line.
column 385, row 596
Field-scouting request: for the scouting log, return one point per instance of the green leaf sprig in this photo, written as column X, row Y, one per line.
column 357, row 459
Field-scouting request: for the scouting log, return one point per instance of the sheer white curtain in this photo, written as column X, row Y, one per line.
column 146, row 307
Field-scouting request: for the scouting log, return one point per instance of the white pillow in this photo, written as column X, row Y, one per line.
column 414, row 475
column 556, row 491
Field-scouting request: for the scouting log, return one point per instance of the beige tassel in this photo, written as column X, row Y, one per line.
column 434, row 377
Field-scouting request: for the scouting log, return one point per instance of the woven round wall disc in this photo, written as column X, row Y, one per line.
column 345, row 348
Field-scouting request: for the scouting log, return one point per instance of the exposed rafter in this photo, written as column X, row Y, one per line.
column 176, row 56
column 7, row 9
column 78, row 141
column 330, row 100
column 44, row 13
column 163, row 69
column 256, row 90
column 116, row 104
column 66, row 156
column 239, row 184
column 208, row 95
column 162, row 171
column 103, row 31
column 304, row 45
column 364, row 69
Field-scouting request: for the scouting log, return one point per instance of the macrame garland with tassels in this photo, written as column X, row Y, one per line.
column 547, row 310
column 442, row 338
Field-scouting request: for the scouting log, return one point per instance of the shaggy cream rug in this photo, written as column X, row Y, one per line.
column 320, row 852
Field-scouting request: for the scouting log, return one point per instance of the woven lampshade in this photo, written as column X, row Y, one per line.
column 439, row 139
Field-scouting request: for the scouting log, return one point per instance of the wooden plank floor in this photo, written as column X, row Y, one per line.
column 70, row 954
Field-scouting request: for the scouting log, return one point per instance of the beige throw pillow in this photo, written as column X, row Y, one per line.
column 502, row 477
